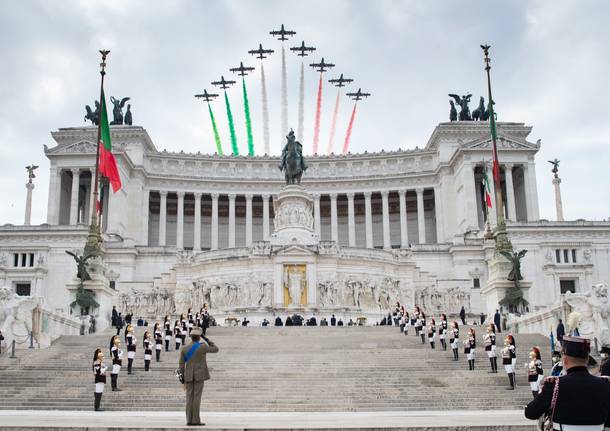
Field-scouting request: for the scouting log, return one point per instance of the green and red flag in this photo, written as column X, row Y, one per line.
column 486, row 188
column 107, row 162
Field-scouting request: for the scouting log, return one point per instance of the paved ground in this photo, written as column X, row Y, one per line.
column 412, row 420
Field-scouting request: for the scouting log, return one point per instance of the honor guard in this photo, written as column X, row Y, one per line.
column 130, row 340
column 407, row 322
column 577, row 401
column 158, row 334
column 470, row 344
column 167, row 328
column 184, row 331
column 191, row 320
column 432, row 332
column 117, row 360
column 422, row 327
column 454, row 340
column 99, row 373
column 442, row 331
column 557, row 369
column 508, row 353
column 147, row 344
column 489, row 341
column 535, row 373
column 178, row 334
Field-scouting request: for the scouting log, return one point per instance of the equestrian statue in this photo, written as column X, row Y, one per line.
column 293, row 164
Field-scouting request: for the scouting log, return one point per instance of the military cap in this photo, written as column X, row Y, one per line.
column 577, row 347
column 196, row 331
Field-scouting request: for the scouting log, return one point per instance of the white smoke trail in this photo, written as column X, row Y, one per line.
column 265, row 111
column 333, row 126
column 284, row 96
column 301, row 104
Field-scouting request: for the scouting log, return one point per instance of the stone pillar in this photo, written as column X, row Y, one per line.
column 334, row 233
column 180, row 222
column 510, row 192
column 265, row 217
column 404, row 235
column 469, row 203
column 162, row 217
column 53, row 202
column 316, row 214
column 92, row 203
column 145, row 216
column 421, row 217
column 197, row 226
column 214, row 224
column 74, row 196
column 438, row 213
column 368, row 219
column 248, row 220
column 351, row 221
column 385, row 207
column 28, row 203
column 558, row 203
column 231, row 220
column 531, row 191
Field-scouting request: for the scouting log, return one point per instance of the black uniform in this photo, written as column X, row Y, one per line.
column 147, row 353
column 131, row 350
column 442, row 333
column 583, row 399
column 168, row 334
column 99, row 371
column 158, row 343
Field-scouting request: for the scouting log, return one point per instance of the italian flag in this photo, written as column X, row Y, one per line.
column 107, row 162
column 494, row 134
column 486, row 188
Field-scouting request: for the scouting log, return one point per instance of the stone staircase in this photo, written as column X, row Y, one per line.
column 275, row 370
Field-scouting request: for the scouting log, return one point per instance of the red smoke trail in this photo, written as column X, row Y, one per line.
column 333, row 124
column 316, row 130
column 348, row 135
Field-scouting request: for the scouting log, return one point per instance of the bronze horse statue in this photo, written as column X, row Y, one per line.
column 292, row 162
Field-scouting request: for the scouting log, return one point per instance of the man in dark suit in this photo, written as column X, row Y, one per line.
column 498, row 321
column 194, row 368
column 561, row 331
column 583, row 399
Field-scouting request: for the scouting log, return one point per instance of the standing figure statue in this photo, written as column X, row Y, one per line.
column 463, row 103
column 117, row 111
column 128, row 118
column 513, row 298
column 81, row 264
column 293, row 164
column 31, row 174
column 555, row 164
column 452, row 111
column 91, row 115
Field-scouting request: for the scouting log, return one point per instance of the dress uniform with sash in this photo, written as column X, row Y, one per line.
column 509, row 353
column 469, row 347
column 489, row 341
column 442, row 331
column 147, row 344
column 99, row 372
column 178, row 334
column 535, row 373
column 582, row 401
column 432, row 333
column 117, row 361
column 168, row 332
column 158, row 341
column 130, row 339
column 194, row 369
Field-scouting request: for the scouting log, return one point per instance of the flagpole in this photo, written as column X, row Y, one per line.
column 94, row 236
column 502, row 241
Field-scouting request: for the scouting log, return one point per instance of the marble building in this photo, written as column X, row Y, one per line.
column 402, row 225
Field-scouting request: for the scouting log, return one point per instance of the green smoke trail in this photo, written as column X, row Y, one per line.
column 231, row 127
column 248, row 120
column 216, row 135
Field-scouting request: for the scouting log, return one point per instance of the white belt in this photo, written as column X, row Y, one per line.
column 557, row 426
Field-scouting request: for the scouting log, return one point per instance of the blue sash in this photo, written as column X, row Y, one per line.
column 191, row 351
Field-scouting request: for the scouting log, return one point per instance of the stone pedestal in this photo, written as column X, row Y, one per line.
column 28, row 203
column 105, row 297
column 294, row 222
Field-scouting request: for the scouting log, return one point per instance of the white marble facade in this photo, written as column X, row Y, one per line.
column 401, row 225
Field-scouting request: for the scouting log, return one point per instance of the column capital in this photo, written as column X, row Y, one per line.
column 266, row 197
column 163, row 193
column 384, row 193
column 316, row 196
column 402, row 192
column 180, row 194
column 333, row 196
column 419, row 190
column 75, row 171
column 232, row 196
column 214, row 196
column 197, row 195
column 350, row 196
column 508, row 166
column 367, row 195
column 249, row 197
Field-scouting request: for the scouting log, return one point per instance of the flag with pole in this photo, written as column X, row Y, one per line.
column 107, row 162
column 487, row 188
column 494, row 135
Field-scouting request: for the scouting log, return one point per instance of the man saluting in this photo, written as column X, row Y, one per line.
column 194, row 369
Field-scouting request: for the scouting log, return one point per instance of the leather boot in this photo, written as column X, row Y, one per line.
column 495, row 364
column 98, row 402
column 113, row 382
column 129, row 364
column 158, row 353
column 167, row 345
column 491, row 361
column 510, row 379
column 146, row 365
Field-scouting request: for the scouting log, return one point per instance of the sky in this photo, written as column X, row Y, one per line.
column 550, row 65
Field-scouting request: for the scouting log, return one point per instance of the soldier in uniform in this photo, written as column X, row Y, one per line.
column 158, row 335
column 454, row 340
column 178, row 334
column 117, row 361
column 99, row 373
column 442, row 331
column 168, row 332
column 431, row 332
column 578, row 400
column 535, row 372
column 469, row 347
column 193, row 368
column 147, row 344
column 130, row 340
column 489, row 341
column 509, row 353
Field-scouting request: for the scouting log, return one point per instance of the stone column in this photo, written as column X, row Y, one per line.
column 510, row 192
column 421, row 217
column 351, row 221
column 248, row 220
column 558, row 203
column 53, row 201
column 265, row 217
column 385, row 207
column 531, row 191
column 214, row 224
column 162, row 217
column 471, row 212
column 316, row 214
column 28, row 203
column 74, row 196
column 334, row 234
column 92, row 203
column 180, row 222
column 404, row 235
column 438, row 213
column 197, row 226
column 368, row 219
column 145, row 216
column 231, row 220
